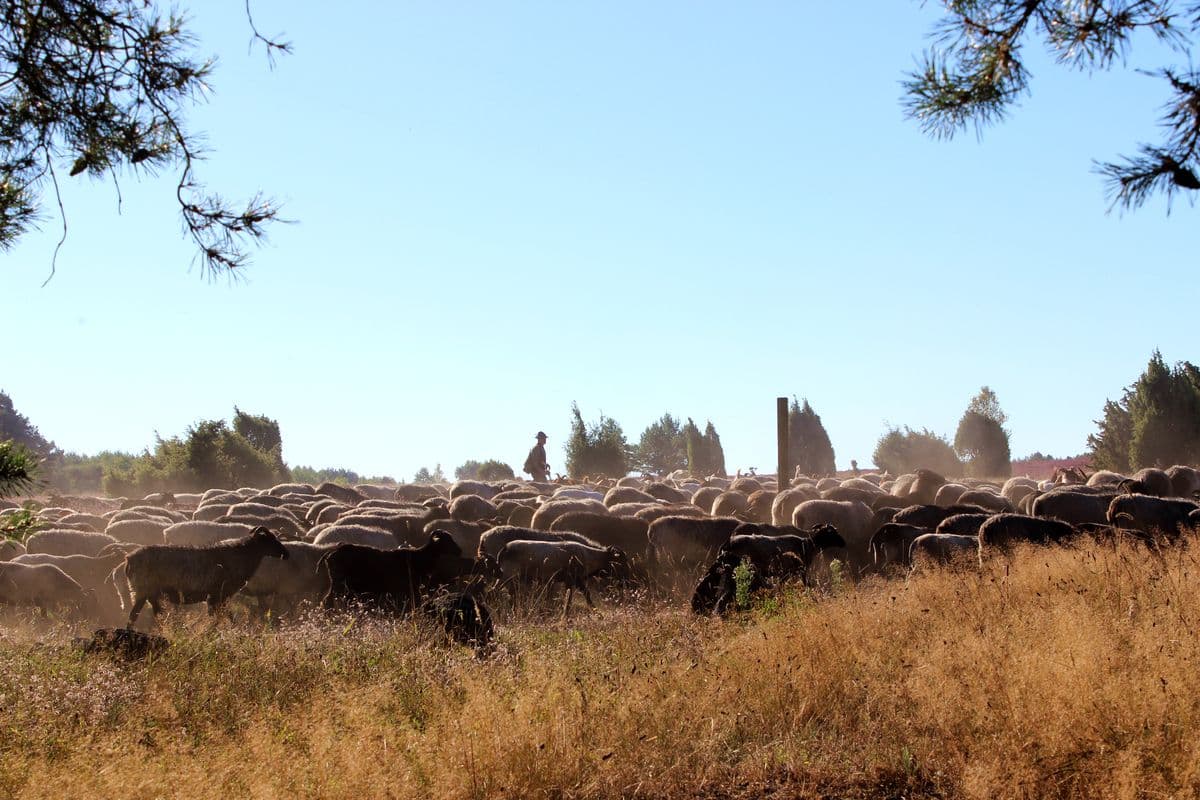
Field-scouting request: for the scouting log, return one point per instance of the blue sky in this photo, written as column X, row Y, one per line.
column 683, row 207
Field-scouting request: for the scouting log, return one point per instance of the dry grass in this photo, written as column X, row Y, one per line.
column 1069, row 673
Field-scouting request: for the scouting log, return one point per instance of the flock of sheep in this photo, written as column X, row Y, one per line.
column 442, row 548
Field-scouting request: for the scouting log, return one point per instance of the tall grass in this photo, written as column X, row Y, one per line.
column 1063, row 673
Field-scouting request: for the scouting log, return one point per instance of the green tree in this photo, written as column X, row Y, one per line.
column 101, row 88
column 905, row 450
column 714, row 451
column 490, row 470
column 809, row 447
column 425, row 476
column 981, row 440
column 975, row 71
column 1156, row 422
column 598, row 448
column 661, row 448
column 339, row 475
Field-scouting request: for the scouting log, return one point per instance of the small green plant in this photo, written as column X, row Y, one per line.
column 20, row 525
column 908, row 761
column 743, row 577
column 837, row 575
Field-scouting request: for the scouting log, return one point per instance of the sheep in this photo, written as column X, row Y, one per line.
column 281, row 489
column 745, row 485
column 986, row 500
column 851, row 518
column 203, row 534
column 92, row 573
column 766, row 545
column 95, row 522
column 849, row 493
column 1185, row 481
column 485, row 490
column 10, row 549
column 920, row 488
column 785, row 502
column 667, row 494
column 1015, row 489
column 766, row 556
column 211, row 512
column 1149, row 481
column 651, row 513
column 472, row 508
column 890, row 544
column 464, row 617
column 550, row 511
column 687, row 542
column 494, row 539
column 1105, row 478
column 465, row 534
column 623, row 533
column 68, row 543
column 139, row 531
column 1151, row 515
column 930, row 516
column 730, row 503
column 415, row 492
column 942, row 549
column 194, row 574
column 962, row 524
column 949, row 494
column 44, row 587
column 577, row 493
column 141, row 512
column 361, row 535
column 394, row 580
column 1004, row 530
column 521, row 516
column 280, row 585
column 373, row 491
column 286, row 526
column 569, row 563
column 1075, row 505
column 627, row 494
column 703, row 497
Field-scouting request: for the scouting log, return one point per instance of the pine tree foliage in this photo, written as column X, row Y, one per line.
column 1155, row 424
column 598, row 448
column 981, row 440
column 16, row 427
column 809, row 447
column 975, row 71
column 662, row 447
column 425, row 476
column 101, row 88
column 714, row 451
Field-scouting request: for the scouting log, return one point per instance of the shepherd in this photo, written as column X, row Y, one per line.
column 535, row 462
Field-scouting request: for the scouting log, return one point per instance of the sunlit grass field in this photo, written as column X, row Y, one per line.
column 1064, row 673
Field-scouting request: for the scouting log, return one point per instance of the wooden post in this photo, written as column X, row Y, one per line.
column 781, row 416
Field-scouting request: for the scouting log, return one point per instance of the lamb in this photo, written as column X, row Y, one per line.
column 570, row 563
column 394, row 580
column 194, row 574
column 44, row 587
column 139, row 531
column 68, row 543
column 202, row 534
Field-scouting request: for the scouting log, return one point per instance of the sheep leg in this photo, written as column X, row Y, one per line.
column 567, row 603
column 136, row 609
